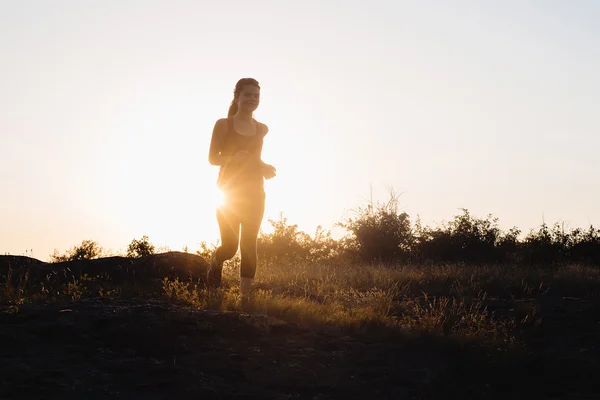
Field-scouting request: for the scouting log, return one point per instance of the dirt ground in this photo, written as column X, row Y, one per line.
column 100, row 348
column 96, row 349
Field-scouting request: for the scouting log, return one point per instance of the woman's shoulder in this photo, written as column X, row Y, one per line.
column 221, row 126
column 221, row 122
column 263, row 128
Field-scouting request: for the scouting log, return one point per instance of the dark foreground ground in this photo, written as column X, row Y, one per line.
column 99, row 348
column 96, row 349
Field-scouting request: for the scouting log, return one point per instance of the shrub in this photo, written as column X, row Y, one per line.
column 87, row 250
column 140, row 248
column 466, row 239
column 285, row 242
column 380, row 232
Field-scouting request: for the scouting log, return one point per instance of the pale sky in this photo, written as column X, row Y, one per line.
column 107, row 108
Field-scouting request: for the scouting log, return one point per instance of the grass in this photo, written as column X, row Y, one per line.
column 495, row 305
column 491, row 304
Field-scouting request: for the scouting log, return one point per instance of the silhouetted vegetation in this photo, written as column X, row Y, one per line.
column 288, row 243
column 87, row 250
column 140, row 248
column 380, row 232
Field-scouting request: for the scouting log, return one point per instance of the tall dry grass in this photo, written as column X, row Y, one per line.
column 495, row 304
column 492, row 304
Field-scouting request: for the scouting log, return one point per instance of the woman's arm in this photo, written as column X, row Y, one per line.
column 216, row 144
column 268, row 170
column 263, row 130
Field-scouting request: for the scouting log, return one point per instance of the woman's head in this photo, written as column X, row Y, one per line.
column 246, row 96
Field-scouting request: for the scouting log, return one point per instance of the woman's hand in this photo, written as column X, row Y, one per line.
column 269, row 171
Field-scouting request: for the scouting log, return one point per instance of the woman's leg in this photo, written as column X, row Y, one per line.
column 229, row 225
column 250, row 228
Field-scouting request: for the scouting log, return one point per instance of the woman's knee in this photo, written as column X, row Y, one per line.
column 227, row 252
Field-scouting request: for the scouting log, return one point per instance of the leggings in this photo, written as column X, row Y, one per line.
column 247, row 215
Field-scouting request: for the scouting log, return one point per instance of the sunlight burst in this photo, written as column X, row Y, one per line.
column 218, row 197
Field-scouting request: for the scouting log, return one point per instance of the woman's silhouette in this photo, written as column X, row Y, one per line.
column 236, row 147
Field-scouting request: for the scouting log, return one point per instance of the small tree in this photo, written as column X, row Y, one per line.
column 286, row 241
column 56, row 257
column 380, row 231
column 87, row 250
column 140, row 248
column 322, row 246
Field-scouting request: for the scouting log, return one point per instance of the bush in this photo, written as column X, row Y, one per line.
column 380, row 232
column 140, row 248
column 585, row 246
column 87, row 250
column 554, row 246
column 466, row 239
column 285, row 242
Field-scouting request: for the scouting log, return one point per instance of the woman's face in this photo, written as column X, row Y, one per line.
column 249, row 98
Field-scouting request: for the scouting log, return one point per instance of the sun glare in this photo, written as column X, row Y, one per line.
column 217, row 198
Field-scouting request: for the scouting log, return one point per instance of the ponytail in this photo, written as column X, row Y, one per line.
column 232, row 108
